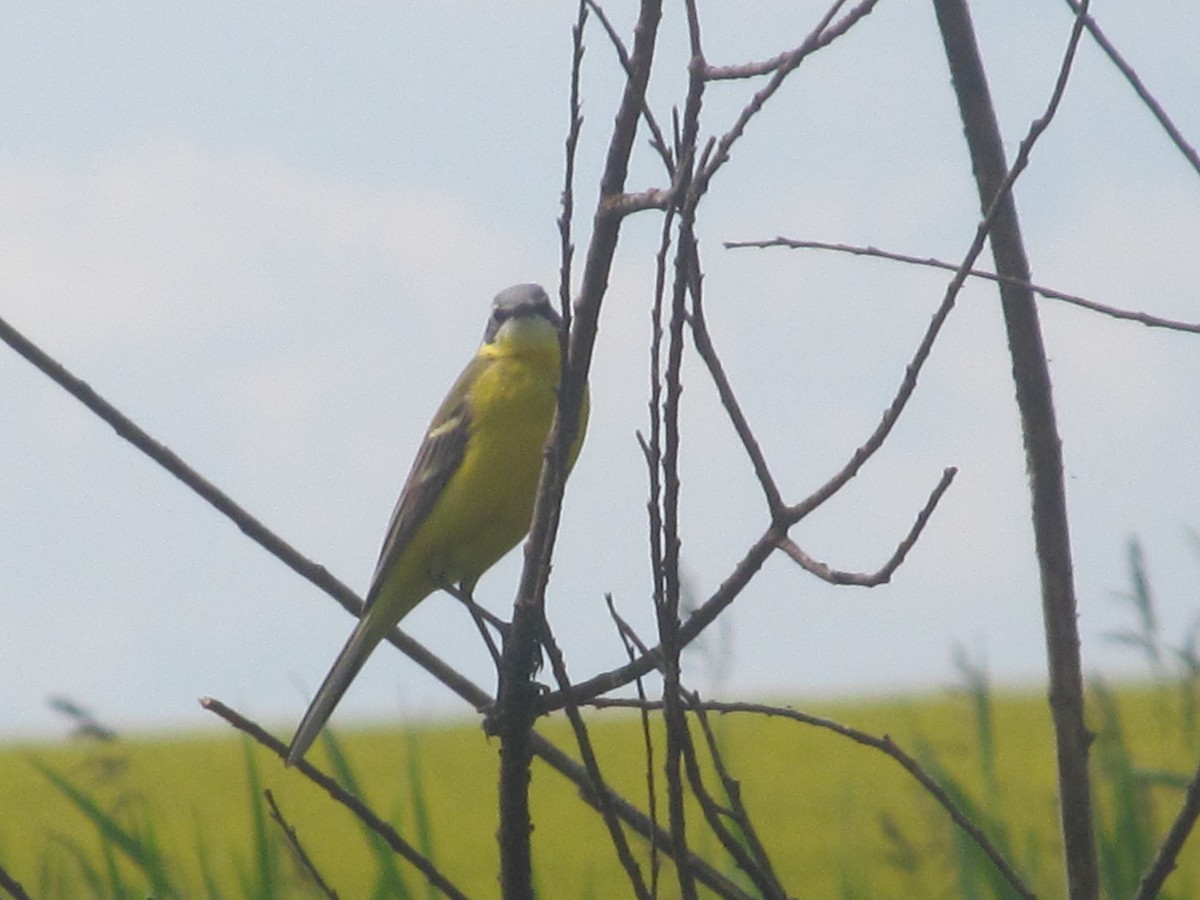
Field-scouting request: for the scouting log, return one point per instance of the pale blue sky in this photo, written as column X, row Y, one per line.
column 270, row 235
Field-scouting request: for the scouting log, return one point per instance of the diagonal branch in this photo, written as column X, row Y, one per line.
column 708, row 353
column 1135, row 82
column 348, row 800
column 827, row 35
column 12, row 886
column 820, row 36
column 297, row 848
column 657, row 141
column 1168, row 854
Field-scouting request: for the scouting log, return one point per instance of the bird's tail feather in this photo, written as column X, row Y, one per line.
column 362, row 641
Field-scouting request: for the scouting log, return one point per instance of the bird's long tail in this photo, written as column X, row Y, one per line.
column 365, row 637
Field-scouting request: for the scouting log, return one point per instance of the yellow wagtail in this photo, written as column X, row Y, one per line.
column 469, row 497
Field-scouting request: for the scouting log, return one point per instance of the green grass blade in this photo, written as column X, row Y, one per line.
column 63, row 883
column 1126, row 834
column 211, row 889
column 389, row 880
column 112, row 869
column 135, row 847
column 978, row 879
column 420, row 807
column 266, row 870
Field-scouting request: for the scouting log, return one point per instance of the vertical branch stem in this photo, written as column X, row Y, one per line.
column 667, row 605
column 685, row 274
column 516, row 706
column 1043, row 449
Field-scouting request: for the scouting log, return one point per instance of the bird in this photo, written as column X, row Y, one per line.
column 469, row 496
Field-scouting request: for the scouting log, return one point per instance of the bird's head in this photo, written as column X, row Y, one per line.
column 522, row 316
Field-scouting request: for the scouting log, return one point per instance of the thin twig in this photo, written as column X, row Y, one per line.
column 931, row 262
column 364, row 813
column 787, row 58
column 708, row 353
column 289, row 834
column 817, row 38
column 656, row 136
column 575, row 127
column 884, row 574
column 597, row 788
column 771, row 539
column 1168, row 854
column 884, row 745
column 767, row 881
column 1135, row 82
column 715, row 815
column 632, row 643
column 652, row 448
column 638, row 820
column 666, row 601
column 482, row 619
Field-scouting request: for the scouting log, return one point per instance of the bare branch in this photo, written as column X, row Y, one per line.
column 597, row 787
column 884, row 575
column 931, row 262
column 817, row 38
column 1135, row 82
column 1164, row 863
column 689, row 630
column 753, row 858
column 708, row 353
column 14, row 888
column 884, row 745
column 483, row 618
column 666, row 602
column 633, row 643
column 656, row 136
column 335, row 790
column 515, row 710
column 1043, row 447
column 289, row 834
column 903, row 393
column 826, row 36
column 638, row 820
column 567, row 217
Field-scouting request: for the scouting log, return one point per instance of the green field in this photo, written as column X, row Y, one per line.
column 841, row 820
